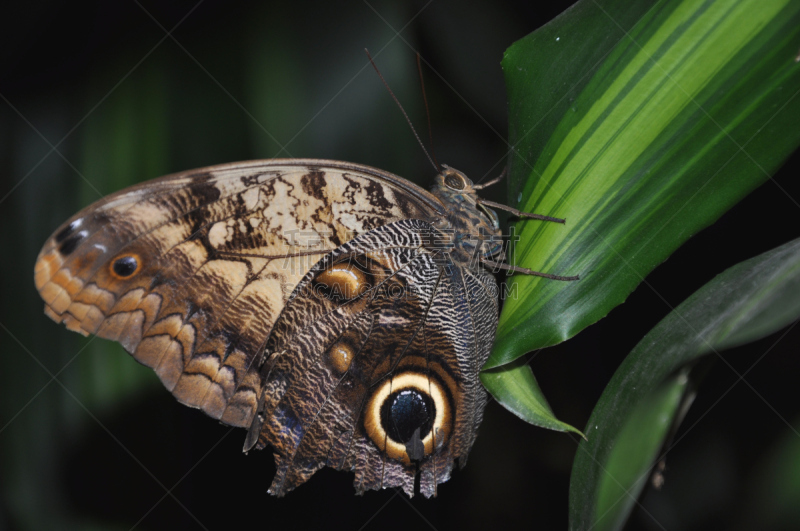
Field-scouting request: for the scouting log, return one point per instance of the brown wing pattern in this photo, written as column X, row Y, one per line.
column 373, row 364
column 189, row 272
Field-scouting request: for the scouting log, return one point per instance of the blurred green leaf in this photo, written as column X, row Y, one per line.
column 635, row 450
column 515, row 387
column 126, row 144
column 640, row 123
column 630, row 421
column 775, row 492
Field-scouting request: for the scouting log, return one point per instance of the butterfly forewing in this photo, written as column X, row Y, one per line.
column 190, row 272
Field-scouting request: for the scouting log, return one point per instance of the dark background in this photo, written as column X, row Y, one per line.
column 103, row 446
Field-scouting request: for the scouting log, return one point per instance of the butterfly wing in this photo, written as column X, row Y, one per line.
column 373, row 364
column 189, row 272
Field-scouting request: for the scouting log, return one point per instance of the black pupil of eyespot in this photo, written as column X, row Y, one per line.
column 125, row 266
column 454, row 182
column 405, row 411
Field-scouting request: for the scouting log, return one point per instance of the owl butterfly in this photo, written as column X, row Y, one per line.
column 338, row 312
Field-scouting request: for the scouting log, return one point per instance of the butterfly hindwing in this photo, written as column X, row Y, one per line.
column 191, row 271
column 373, row 364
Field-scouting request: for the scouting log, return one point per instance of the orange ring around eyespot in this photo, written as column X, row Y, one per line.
column 116, row 259
column 440, row 430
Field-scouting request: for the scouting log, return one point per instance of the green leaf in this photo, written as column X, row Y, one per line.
column 635, row 450
column 640, row 123
column 774, row 498
column 515, row 387
column 629, row 423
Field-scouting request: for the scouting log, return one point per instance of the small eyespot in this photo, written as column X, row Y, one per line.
column 454, row 181
column 125, row 266
column 340, row 356
column 71, row 243
column 68, row 230
column 342, row 282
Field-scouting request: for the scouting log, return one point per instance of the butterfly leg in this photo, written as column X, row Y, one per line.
column 526, row 271
column 519, row 213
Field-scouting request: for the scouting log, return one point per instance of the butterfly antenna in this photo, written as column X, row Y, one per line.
column 385, row 84
column 427, row 110
column 493, row 181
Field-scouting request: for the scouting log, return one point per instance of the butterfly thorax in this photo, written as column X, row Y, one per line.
column 469, row 230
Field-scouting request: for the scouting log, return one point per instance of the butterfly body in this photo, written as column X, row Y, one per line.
column 339, row 313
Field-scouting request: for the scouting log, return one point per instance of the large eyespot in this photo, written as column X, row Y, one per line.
column 342, row 282
column 126, row 266
column 454, row 181
column 409, row 416
column 405, row 412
